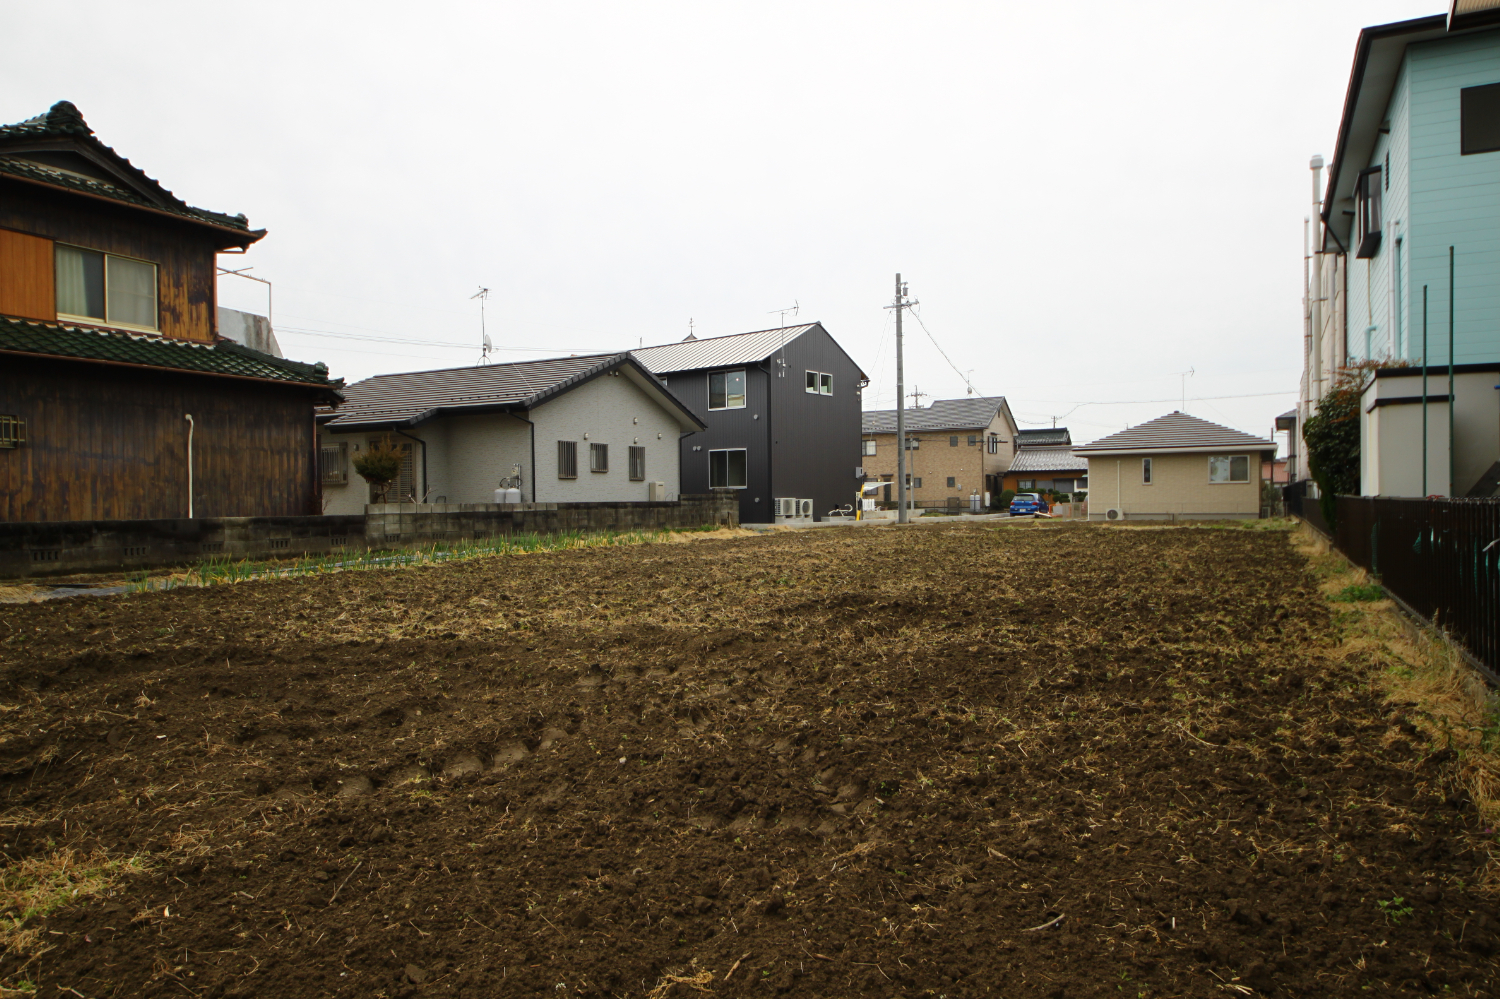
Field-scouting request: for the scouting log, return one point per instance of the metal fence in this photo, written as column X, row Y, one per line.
column 1440, row 557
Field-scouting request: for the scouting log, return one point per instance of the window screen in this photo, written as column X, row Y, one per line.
column 567, row 459
column 1479, row 113
column 598, row 457
column 637, row 463
column 726, row 469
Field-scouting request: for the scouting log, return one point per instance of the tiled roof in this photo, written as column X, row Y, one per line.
column 222, row 358
column 1043, row 437
column 414, row 396
column 1048, row 459
column 64, row 120
column 973, row 413
column 1176, row 432
column 719, row 351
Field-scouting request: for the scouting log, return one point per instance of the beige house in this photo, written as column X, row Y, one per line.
column 954, row 447
column 1176, row 467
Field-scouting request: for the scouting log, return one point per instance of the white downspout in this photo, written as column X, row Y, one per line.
column 1316, row 388
column 1117, row 490
column 189, row 418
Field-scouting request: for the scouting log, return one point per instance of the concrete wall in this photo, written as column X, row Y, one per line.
column 51, row 549
column 1179, row 488
column 612, row 410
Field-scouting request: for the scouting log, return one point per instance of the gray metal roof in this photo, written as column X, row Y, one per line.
column 1043, row 437
column 412, row 397
column 1176, row 432
column 974, row 413
column 719, row 351
column 1048, row 459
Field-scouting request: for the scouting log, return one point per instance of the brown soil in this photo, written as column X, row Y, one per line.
column 953, row 761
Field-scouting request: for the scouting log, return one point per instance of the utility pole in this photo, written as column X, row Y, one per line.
column 901, row 304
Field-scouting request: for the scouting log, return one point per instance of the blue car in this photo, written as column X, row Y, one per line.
column 1027, row 503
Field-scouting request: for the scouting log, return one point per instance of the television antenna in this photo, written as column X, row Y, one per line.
column 781, row 314
column 1185, row 375
column 487, row 345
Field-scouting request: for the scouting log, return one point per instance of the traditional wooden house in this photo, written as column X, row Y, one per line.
column 117, row 399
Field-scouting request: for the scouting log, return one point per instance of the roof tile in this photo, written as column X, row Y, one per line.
column 1176, row 432
column 944, row 414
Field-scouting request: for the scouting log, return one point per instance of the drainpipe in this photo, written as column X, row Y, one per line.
column 425, row 487
column 1117, row 490
column 191, row 425
column 1316, row 294
column 533, row 454
column 1394, row 298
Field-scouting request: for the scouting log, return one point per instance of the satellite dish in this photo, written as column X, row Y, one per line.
column 487, row 344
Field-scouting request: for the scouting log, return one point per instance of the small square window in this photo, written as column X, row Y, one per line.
column 334, row 463
column 953, row 441
column 1479, row 119
column 598, row 457
column 952, row 484
column 567, row 459
column 726, row 469
column 12, row 431
column 812, row 383
column 867, row 448
column 973, row 439
column 825, row 384
column 637, row 463
column 726, row 390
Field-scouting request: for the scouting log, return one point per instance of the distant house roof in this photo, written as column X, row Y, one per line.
column 417, row 396
column 1047, row 459
column 224, row 358
column 1176, row 432
column 721, row 351
column 974, row 413
column 58, row 149
column 1044, row 437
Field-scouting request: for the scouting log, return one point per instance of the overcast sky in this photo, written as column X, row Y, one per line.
column 1087, row 198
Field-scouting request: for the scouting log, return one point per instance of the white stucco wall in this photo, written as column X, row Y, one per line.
column 478, row 451
column 611, row 409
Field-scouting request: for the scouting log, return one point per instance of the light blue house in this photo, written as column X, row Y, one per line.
column 1416, row 171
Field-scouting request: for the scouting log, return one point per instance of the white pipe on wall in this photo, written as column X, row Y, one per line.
column 189, row 418
column 1316, row 388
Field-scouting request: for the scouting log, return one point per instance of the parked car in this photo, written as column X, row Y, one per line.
column 1028, row 503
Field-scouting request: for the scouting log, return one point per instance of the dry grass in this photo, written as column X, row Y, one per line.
column 1455, row 708
column 36, row 886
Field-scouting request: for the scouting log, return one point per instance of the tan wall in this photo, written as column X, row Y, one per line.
column 936, row 459
column 1179, row 488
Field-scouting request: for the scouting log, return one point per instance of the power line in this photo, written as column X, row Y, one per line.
column 437, row 343
column 967, row 384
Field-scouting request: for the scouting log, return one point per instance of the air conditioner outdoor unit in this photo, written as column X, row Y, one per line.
column 804, row 508
column 656, row 492
column 1114, row 513
column 786, row 507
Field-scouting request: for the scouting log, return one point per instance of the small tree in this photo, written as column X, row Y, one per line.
column 379, row 465
column 1332, row 436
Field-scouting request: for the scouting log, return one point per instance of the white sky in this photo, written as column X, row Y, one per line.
column 1087, row 198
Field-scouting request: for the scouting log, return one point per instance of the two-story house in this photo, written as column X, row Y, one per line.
column 782, row 412
column 1411, row 202
column 955, row 448
column 117, row 399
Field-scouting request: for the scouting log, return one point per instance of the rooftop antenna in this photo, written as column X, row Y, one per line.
column 969, row 381
column 483, row 295
column 781, row 347
column 1185, row 375
column 782, row 313
column 691, row 335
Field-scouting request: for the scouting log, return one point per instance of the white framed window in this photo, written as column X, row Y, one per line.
column 973, row 439
column 1024, row 484
column 1229, row 468
column 567, row 459
column 726, row 390
column 726, row 469
column 1146, row 471
column 867, row 448
column 598, row 457
column 812, row 383
column 333, row 460
column 637, row 462
column 825, row 384
column 102, row 287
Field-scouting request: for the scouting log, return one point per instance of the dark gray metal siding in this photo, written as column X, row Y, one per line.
column 729, row 428
column 815, row 438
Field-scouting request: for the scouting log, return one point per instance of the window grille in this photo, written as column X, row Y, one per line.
column 598, row 457
column 12, row 431
column 567, row 459
column 334, row 462
column 637, row 463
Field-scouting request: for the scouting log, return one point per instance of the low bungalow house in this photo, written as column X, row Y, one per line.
column 599, row 428
column 1038, row 469
column 1176, row 467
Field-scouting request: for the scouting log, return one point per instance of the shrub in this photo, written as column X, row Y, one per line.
column 379, row 465
column 1332, row 436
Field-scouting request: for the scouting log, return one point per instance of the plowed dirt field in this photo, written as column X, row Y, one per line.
column 934, row 761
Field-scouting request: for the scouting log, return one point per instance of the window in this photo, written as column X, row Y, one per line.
column 973, row 439
column 104, row 287
column 993, row 444
column 567, row 459
column 825, row 384
column 598, row 457
column 951, row 483
column 12, row 431
column 866, row 448
column 726, row 469
column 812, row 383
column 913, row 443
column 333, row 460
column 1146, row 471
column 1367, row 198
column 1229, row 468
column 953, row 441
column 404, row 489
column 1025, row 484
column 637, row 463
column 915, row 481
column 1479, row 119
column 726, row 390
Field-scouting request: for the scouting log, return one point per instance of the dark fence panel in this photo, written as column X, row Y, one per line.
column 1300, row 504
column 1441, row 557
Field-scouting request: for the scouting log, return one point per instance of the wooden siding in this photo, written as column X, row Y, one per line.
column 184, row 255
column 106, row 443
column 27, row 271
